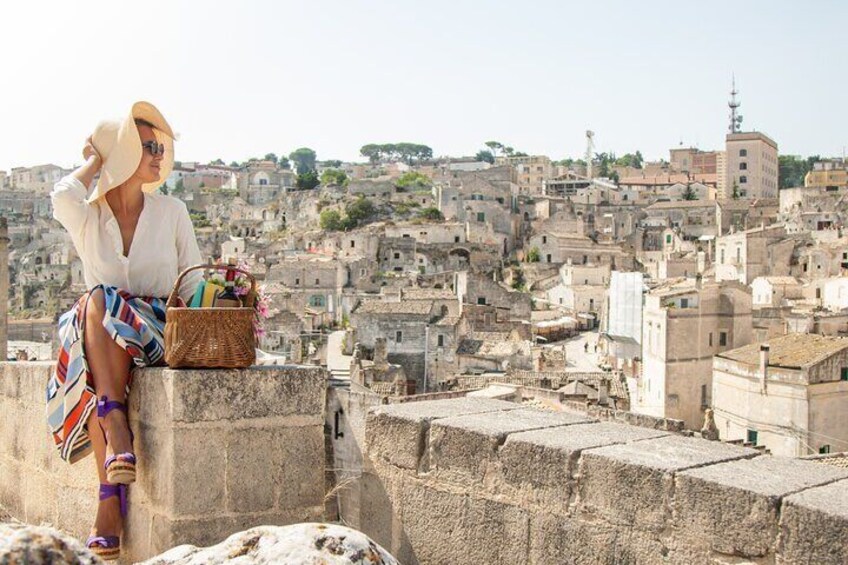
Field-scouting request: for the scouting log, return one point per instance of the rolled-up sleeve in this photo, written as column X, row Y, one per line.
column 70, row 208
column 188, row 254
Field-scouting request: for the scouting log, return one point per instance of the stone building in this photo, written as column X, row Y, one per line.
column 683, row 325
column 742, row 214
column 751, row 165
column 789, row 395
column 757, row 252
column 772, row 292
column 581, row 250
column 829, row 173
column 4, row 288
column 532, row 171
column 694, row 218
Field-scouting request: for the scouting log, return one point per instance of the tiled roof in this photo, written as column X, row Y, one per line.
column 414, row 307
column 427, row 294
column 792, row 351
column 682, row 204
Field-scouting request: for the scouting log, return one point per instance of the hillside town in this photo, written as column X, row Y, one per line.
column 708, row 287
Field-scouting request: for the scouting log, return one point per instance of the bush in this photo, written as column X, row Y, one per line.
column 431, row 213
column 307, row 180
column 413, row 181
column 334, row 177
column 360, row 209
column 533, row 255
column 330, row 220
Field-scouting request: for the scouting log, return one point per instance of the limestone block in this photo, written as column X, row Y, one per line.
column 464, row 448
column 39, row 497
column 76, row 508
column 733, row 508
column 257, row 392
column 641, row 473
column 555, row 539
column 11, row 483
column 396, row 433
column 450, row 527
column 814, row 526
column 154, row 449
column 10, row 378
column 299, row 474
column 541, row 464
column 198, row 476
column 253, row 460
column 37, row 545
column 330, row 544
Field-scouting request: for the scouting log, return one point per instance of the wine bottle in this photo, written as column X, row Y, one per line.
column 229, row 298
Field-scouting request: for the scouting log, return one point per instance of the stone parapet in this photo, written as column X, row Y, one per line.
column 219, row 451
column 487, row 481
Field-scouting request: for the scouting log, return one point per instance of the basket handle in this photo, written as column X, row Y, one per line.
column 175, row 292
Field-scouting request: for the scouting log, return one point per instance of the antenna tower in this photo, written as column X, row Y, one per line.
column 735, row 116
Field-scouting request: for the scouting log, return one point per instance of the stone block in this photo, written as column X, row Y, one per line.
column 32, row 381
column 10, row 378
column 11, row 439
column 151, row 398
column 11, row 486
column 447, row 527
column 154, row 449
column 641, row 473
column 198, row 476
column 77, row 508
column 257, row 392
column 39, row 494
column 540, row 464
column 137, row 529
column 299, row 476
column 814, row 526
column 555, row 539
column 733, row 508
column 466, row 447
column 396, row 433
column 253, row 459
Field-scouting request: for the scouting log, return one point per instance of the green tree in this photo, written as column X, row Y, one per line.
column 372, row 152
column 217, row 162
column 413, row 180
column 735, row 195
column 234, row 164
column 284, row 163
column 533, row 256
column 360, row 210
column 303, row 159
column 334, row 177
column 485, row 155
column 494, row 147
column 271, row 157
column 332, row 163
column 307, row 180
column 180, row 188
column 431, row 213
column 689, row 193
column 791, row 169
column 330, row 220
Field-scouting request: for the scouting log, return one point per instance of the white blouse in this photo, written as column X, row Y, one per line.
column 163, row 244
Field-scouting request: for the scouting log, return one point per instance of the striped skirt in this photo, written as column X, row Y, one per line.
column 137, row 324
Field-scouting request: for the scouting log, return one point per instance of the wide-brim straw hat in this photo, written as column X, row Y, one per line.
column 119, row 146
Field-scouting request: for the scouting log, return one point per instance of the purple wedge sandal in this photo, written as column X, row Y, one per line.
column 108, row 548
column 120, row 467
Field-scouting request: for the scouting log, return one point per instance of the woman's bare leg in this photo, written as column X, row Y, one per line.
column 109, row 365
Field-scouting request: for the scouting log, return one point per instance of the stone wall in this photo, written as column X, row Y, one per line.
column 486, row 481
column 219, row 452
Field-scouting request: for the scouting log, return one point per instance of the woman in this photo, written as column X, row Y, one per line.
column 133, row 243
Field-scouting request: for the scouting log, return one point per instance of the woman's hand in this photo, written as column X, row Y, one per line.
column 89, row 150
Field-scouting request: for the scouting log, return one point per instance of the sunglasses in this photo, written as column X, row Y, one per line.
column 154, row 148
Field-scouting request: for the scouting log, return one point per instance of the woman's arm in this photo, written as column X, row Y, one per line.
column 69, row 194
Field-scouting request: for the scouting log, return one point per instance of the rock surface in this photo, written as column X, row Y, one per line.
column 298, row 544
column 35, row 545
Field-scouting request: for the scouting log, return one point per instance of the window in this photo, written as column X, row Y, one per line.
column 481, row 300
column 743, row 152
column 361, row 272
column 544, row 239
column 456, row 239
column 722, row 339
column 585, row 259
column 397, row 255
column 684, row 303
column 399, row 336
column 704, row 402
column 752, row 436
column 549, row 257
column 296, row 282
column 481, row 217
column 843, row 374
column 743, row 166
column 711, row 339
column 824, row 449
column 317, row 300
column 743, row 179
column 738, row 254
column 406, row 235
column 721, row 254
column 668, row 238
column 352, row 243
column 441, row 340
column 317, row 281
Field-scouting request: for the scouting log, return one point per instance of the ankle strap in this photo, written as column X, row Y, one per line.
column 104, row 406
column 108, row 491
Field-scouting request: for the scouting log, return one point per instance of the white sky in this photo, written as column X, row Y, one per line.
column 241, row 79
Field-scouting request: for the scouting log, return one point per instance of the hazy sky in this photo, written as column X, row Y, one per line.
column 241, row 79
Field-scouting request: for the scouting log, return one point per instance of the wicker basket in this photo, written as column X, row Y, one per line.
column 220, row 338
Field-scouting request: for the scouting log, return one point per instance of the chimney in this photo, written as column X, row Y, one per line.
column 764, row 361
